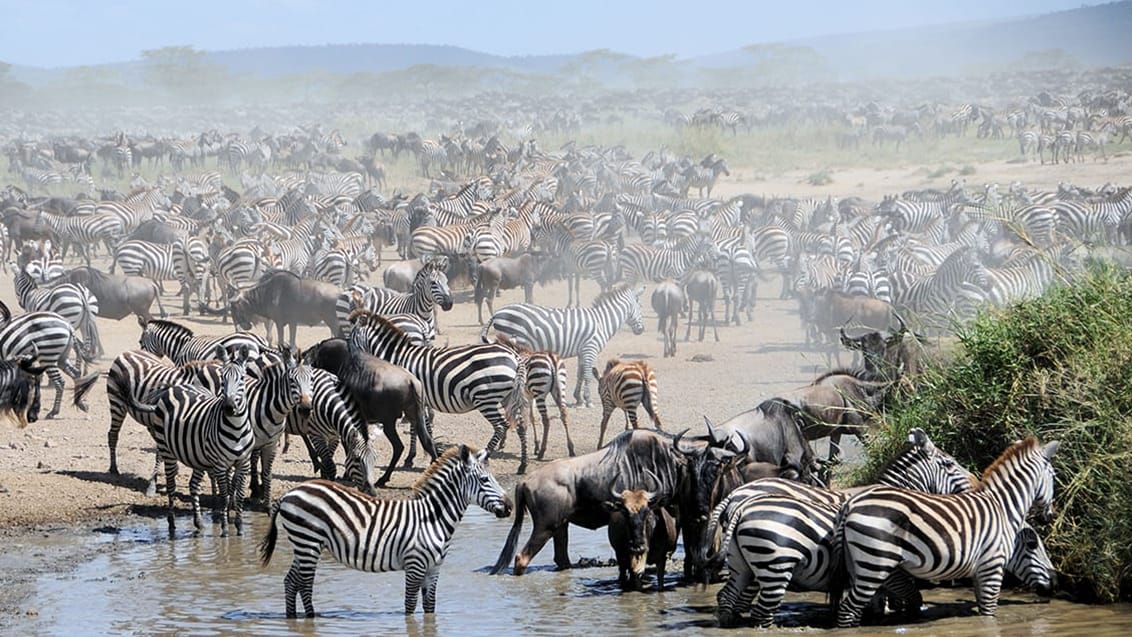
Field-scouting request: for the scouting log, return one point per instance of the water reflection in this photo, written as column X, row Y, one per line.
column 145, row 584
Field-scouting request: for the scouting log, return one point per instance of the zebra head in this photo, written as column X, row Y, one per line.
column 922, row 466
column 300, row 380
column 233, row 374
column 437, row 282
column 480, row 485
column 1030, row 563
column 1043, row 502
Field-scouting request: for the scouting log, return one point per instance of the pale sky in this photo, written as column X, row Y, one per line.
column 73, row 32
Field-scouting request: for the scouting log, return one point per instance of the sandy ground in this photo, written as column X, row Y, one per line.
column 54, row 478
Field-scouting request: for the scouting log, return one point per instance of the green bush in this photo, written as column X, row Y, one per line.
column 820, row 178
column 1058, row 367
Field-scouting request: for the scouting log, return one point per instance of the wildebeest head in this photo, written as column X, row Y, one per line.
column 240, row 311
column 632, row 519
column 19, row 388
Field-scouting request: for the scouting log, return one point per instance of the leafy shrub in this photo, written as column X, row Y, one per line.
column 1058, row 367
column 820, row 178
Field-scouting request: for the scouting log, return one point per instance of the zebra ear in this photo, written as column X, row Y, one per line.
column 1051, row 448
column 465, row 453
column 221, row 354
column 920, row 439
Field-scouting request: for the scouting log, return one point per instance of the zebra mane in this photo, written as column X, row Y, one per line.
column 438, row 464
column 612, row 292
column 508, row 342
column 377, row 320
column 179, row 329
column 1019, row 448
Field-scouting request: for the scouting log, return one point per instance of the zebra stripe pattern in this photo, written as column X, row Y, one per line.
column 368, row 534
column 278, row 389
column 626, row 385
column 167, row 338
column 569, row 332
column 46, row 337
column 72, row 301
column 939, row 537
column 429, row 290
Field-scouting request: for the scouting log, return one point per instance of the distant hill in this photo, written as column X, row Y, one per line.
column 1088, row 36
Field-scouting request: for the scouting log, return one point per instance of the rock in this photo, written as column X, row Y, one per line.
column 48, row 444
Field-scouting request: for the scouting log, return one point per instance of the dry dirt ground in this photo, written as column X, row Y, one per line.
column 54, row 478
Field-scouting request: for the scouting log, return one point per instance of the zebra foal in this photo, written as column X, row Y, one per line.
column 377, row 535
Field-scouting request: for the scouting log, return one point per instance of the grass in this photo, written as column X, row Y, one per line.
column 1057, row 367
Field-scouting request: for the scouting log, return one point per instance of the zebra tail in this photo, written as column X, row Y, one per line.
column 649, row 401
column 513, row 536
column 486, row 328
column 267, row 544
column 84, row 385
column 838, row 567
column 726, row 531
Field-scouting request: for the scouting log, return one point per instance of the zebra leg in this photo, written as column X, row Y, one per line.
column 544, row 416
column 267, row 461
column 171, row 491
column 988, row 584
column 56, row 378
column 194, row 496
column 431, row 578
column 862, row 588
column 412, row 444
column 415, row 575
column 234, row 492
column 733, row 599
column 770, row 593
column 117, row 417
column 300, row 581
column 256, row 488
column 151, row 488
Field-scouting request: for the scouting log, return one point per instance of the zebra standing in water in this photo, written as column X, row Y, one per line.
column 940, row 537
column 368, row 534
column 484, row 377
column 429, row 290
column 569, row 332
column 209, row 433
column 278, row 389
column 46, row 337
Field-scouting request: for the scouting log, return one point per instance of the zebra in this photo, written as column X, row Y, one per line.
column 543, row 374
column 626, row 385
column 72, row 301
column 334, row 417
column 276, row 390
column 167, row 338
column 956, row 285
column 640, row 261
column 381, row 535
column 1013, row 283
column 132, row 378
column 184, row 261
column 84, row 232
column 940, row 537
column 429, row 291
column 570, row 332
column 457, row 379
column 46, row 337
column 208, row 433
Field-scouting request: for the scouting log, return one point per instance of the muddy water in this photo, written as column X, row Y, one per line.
column 140, row 582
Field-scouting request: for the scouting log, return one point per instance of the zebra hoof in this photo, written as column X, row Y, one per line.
column 51, row 414
column 521, row 470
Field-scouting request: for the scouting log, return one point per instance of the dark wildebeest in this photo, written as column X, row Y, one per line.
column 382, row 391
column 898, row 357
column 641, row 532
column 772, row 433
column 838, row 402
column 700, row 287
column 400, row 275
column 668, row 302
column 19, row 389
column 571, row 491
column 506, row 273
column 826, row 312
column 284, row 298
column 119, row 295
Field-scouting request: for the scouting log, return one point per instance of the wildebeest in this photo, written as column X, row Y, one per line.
column 571, row 491
column 668, row 302
column 506, row 273
column 900, row 356
column 120, row 295
column 772, row 432
column 399, row 276
column 641, row 532
column 383, row 392
column 825, row 312
column 284, row 298
column 700, row 287
column 19, row 389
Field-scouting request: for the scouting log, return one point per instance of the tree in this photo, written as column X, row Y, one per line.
column 184, row 72
column 778, row 63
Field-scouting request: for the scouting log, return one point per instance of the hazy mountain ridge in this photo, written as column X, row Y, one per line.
column 1091, row 36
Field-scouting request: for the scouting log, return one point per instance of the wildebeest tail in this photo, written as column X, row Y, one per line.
column 267, row 544
column 83, row 386
column 424, row 432
column 508, row 551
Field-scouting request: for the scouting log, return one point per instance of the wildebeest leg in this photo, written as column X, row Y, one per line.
column 294, row 328
column 389, row 426
column 688, row 327
column 606, row 412
column 562, row 548
column 539, row 536
column 160, row 307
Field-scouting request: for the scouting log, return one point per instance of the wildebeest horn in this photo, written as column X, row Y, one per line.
column 676, row 442
column 713, row 436
column 903, row 326
column 745, row 449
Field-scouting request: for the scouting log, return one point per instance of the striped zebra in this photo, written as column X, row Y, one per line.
column 570, row 332
column 240, row 265
column 1018, row 282
column 210, row 433
column 381, row 535
column 429, row 291
column 84, row 232
column 334, row 417
column 642, row 262
column 626, row 385
column 184, row 261
column 954, row 289
column 277, row 390
column 455, row 379
column 72, row 301
column 543, row 375
column 940, row 537
column 47, row 338
column 167, row 338
column 133, row 377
